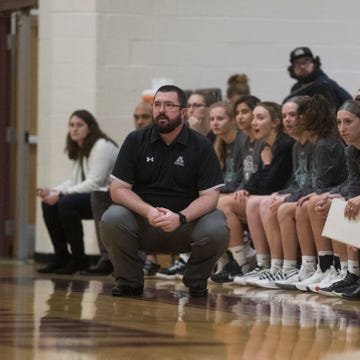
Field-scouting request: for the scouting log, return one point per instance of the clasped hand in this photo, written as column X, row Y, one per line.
column 48, row 196
column 275, row 202
column 241, row 195
column 163, row 219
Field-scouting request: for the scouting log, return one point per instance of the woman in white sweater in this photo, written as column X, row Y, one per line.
column 93, row 154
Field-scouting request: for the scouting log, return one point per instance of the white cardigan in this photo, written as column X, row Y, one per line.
column 97, row 169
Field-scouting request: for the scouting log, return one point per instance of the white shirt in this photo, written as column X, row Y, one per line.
column 97, row 168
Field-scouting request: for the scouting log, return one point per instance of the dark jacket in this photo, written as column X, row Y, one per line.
column 353, row 165
column 276, row 176
column 320, row 83
column 247, row 162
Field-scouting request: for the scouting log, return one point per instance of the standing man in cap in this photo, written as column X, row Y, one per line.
column 311, row 80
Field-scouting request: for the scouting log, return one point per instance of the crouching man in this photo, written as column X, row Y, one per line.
column 165, row 188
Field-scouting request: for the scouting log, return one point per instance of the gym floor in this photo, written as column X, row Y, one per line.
column 74, row 317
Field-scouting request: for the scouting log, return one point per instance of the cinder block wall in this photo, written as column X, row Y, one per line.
column 101, row 54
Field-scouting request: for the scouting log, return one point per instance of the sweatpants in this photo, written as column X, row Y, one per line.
column 125, row 233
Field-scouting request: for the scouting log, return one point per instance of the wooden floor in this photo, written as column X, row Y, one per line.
column 73, row 317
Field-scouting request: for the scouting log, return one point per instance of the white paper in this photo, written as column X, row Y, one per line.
column 341, row 229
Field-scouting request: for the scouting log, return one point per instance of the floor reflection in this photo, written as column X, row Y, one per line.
column 77, row 318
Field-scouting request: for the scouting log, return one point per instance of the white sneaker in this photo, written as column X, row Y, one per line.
column 331, row 276
column 290, row 277
column 242, row 280
column 295, row 276
column 269, row 282
column 316, row 277
column 264, row 279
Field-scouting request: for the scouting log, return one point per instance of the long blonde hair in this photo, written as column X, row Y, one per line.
column 219, row 144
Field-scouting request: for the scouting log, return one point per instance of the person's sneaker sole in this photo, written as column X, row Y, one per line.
column 166, row 276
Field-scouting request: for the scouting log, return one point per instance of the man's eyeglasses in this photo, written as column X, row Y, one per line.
column 168, row 106
column 195, row 105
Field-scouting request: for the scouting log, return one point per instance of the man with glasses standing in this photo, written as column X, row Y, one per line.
column 165, row 188
column 311, row 80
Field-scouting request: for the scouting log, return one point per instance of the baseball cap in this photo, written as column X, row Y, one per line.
column 357, row 95
column 300, row 52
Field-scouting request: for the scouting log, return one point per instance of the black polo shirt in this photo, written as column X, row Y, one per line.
column 169, row 176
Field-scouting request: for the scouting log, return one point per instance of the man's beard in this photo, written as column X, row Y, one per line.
column 169, row 126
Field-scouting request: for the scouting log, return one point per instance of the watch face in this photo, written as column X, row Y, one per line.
column 182, row 219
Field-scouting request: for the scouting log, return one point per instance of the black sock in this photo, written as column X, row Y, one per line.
column 325, row 261
column 337, row 263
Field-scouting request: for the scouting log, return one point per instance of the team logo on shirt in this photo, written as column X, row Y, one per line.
column 179, row 161
column 149, row 159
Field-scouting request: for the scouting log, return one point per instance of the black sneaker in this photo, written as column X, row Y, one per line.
column 102, row 268
column 51, row 268
column 340, row 286
column 150, row 268
column 353, row 294
column 228, row 273
column 175, row 271
column 73, row 267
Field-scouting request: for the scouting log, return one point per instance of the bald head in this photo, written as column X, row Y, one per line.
column 142, row 115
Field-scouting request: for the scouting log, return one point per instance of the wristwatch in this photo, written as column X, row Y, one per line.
column 182, row 218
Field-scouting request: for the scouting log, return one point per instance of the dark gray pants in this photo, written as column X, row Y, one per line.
column 124, row 233
column 100, row 201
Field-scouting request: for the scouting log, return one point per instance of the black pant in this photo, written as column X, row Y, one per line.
column 100, row 201
column 63, row 222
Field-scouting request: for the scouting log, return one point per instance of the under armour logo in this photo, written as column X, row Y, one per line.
column 148, row 159
column 179, row 161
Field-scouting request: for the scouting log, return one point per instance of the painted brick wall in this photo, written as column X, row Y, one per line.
column 101, row 54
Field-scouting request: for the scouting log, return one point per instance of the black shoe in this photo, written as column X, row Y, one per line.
column 228, row 273
column 73, row 267
column 342, row 285
column 126, row 290
column 198, row 292
column 103, row 267
column 51, row 268
column 349, row 289
column 175, row 271
column 150, row 268
column 354, row 295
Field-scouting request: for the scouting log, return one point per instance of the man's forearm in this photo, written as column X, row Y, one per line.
column 130, row 200
column 202, row 205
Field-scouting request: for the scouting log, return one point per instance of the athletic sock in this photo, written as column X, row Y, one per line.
column 337, row 262
column 263, row 260
column 289, row 265
column 276, row 265
column 238, row 253
column 308, row 261
column 353, row 267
